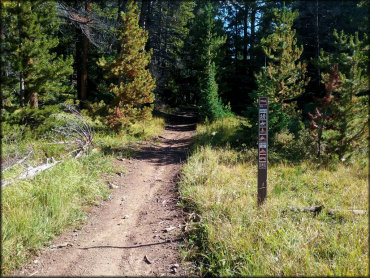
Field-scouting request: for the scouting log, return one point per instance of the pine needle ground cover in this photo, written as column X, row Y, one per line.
column 35, row 210
column 229, row 235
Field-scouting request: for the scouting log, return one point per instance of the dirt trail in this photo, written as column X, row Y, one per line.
column 138, row 231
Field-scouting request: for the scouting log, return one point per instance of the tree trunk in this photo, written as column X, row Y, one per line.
column 253, row 34
column 85, row 49
column 82, row 50
column 78, row 61
column 317, row 40
column 144, row 14
column 245, row 30
column 33, row 100
column 21, row 88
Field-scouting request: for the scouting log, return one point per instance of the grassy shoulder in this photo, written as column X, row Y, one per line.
column 233, row 237
column 36, row 210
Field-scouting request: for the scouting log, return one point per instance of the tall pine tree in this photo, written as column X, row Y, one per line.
column 207, row 42
column 134, row 85
column 283, row 79
column 30, row 42
column 350, row 101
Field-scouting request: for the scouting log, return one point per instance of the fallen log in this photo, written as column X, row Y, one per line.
column 314, row 210
column 353, row 211
column 317, row 209
column 19, row 161
column 32, row 172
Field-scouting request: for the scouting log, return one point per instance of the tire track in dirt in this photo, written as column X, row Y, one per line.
column 138, row 231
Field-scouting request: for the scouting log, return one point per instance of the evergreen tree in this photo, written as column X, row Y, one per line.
column 323, row 118
column 284, row 77
column 207, row 42
column 210, row 105
column 134, row 88
column 180, row 16
column 32, row 26
column 350, row 101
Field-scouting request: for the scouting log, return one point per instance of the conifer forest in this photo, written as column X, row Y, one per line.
column 130, row 137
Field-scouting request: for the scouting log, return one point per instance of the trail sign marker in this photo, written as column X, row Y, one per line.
column 262, row 149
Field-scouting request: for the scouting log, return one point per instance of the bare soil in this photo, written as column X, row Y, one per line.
column 138, row 231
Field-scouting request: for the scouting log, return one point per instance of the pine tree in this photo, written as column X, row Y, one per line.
column 210, row 105
column 32, row 26
column 323, row 118
column 284, row 77
column 207, row 42
column 134, row 88
column 350, row 100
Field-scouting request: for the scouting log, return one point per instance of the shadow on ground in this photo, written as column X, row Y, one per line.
column 174, row 150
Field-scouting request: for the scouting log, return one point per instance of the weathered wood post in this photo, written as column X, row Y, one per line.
column 262, row 149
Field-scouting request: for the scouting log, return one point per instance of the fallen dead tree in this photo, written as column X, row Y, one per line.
column 32, row 171
column 18, row 162
column 76, row 132
column 317, row 209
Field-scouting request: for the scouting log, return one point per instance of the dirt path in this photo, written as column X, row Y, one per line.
column 138, row 231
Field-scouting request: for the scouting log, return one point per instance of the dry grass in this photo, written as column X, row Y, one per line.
column 234, row 237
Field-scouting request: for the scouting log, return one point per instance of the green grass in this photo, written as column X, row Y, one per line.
column 36, row 210
column 232, row 236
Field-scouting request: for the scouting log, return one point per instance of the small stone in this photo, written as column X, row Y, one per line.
column 54, row 246
column 123, row 198
column 112, row 185
column 174, row 268
column 146, row 259
column 169, row 229
column 36, row 261
column 125, row 217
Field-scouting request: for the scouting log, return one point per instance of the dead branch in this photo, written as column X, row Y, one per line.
column 76, row 130
column 95, row 27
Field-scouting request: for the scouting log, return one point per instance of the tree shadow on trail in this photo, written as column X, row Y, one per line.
column 175, row 150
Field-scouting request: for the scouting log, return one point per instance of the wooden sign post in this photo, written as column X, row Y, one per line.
column 262, row 148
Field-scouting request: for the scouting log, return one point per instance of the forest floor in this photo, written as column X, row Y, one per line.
column 139, row 229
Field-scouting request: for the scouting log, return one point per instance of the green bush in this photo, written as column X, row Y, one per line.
column 39, row 120
column 288, row 147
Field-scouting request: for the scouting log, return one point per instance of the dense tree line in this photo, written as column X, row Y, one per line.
column 217, row 55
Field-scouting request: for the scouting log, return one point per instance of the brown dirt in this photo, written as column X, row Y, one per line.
column 138, row 231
